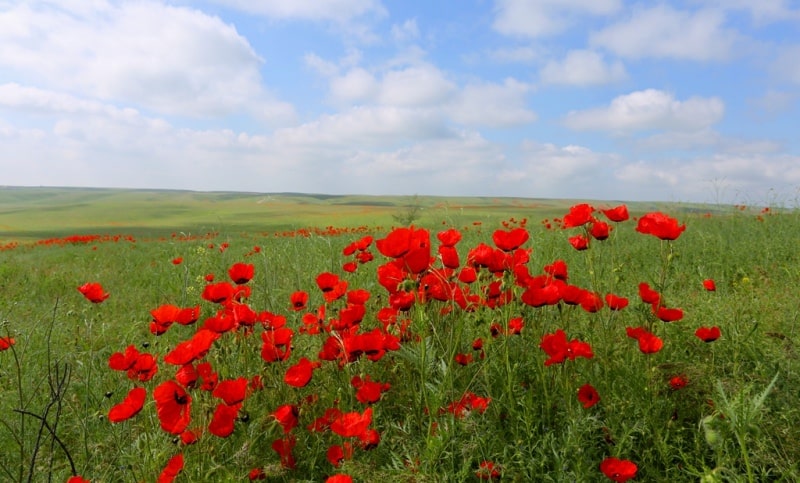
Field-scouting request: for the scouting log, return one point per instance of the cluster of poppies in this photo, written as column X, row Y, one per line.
column 413, row 274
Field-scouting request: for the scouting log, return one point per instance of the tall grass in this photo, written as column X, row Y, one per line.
column 735, row 419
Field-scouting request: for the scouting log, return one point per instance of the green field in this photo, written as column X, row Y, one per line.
column 402, row 368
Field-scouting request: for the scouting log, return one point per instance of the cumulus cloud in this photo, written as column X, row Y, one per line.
column 336, row 10
column 649, row 109
column 408, row 30
column 661, row 31
column 524, row 18
column 493, row 104
column 582, row 68
column 169, row 60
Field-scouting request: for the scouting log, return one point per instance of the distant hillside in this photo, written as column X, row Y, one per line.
column 41, row 212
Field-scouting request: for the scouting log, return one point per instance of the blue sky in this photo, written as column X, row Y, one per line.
column 692, row 100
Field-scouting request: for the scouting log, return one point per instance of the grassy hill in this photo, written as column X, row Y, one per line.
column 44, row 212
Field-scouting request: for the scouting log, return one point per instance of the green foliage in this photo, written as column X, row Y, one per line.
column 735, row 420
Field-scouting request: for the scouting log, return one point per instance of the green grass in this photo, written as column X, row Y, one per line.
column 736, row 420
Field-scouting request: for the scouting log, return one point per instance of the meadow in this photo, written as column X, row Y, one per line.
column 181, row 336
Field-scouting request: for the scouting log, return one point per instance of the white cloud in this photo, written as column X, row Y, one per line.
column 336, row 10
column 408, row 30
column 525, row 18
column 762, row 11
column 664, row 32
column 515, row 54
column 169, row 60
column 787, row 65
column 648, row 110
column 493, row 105
column 582, row 68
column 725, row 178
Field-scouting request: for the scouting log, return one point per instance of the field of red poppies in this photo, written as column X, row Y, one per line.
column 600, row 345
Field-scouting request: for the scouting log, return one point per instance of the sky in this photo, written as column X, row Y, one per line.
column 675, row 100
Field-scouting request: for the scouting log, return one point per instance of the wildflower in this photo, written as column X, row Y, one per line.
column 284, row 447
column 299, row 375
column 177, row 261
column 173, row 405
column 339, row 479
column 709, row 285
column 93, row 292
column 588, row 396
column 129, row 407
column 616, row 214
column 616, row 302
column 678, row 382
column 579, row 242
column 660, row 226
column 222, row 420
column 6, row 342
column 509, row 241
column 578, row 215
column 618, row 470
column 173, row 468
column 648, row 295
column 487, row 470
column 232, row 391
column 287, row 416
column 708, row 334
column 599, row 230
column 668, row 315
column 352, row 424
column 649, row 343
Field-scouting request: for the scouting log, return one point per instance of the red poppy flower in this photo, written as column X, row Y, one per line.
column 510, row 240
column 708, row 334
column 618, row 470
column 299, row 375
column 93, row 292
column 557, row 269
column 339, row 479
column 277, row 344
column 449, row 256
column 599, row 230
column 615, row 302
column 284, row 447
column 209, row 377
column 241, row 273
column 449, row 238
column 487, row 470
column 578, row 215
column 648, row 295
column 579, row 242
column 286, row 416
column 668, row 315
column 588, row 396
column 78, row 479
column 660, row 226
column 463, row 359
column 173, row 468
column 332, row 287
column 223, row 419
column 469, row 402
column 367, row 390
column 616, row 214
column 299, row 300
column 257, row 474
column 177, row 261
column 218, row 292
column 232, row 391
column 129, row 407
column 173, row 405
column 678, row 382
column 193, row 349
column 649, row 343
column 6, row 342
column 353, row 424
column 709, row 285
column 336, row 454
